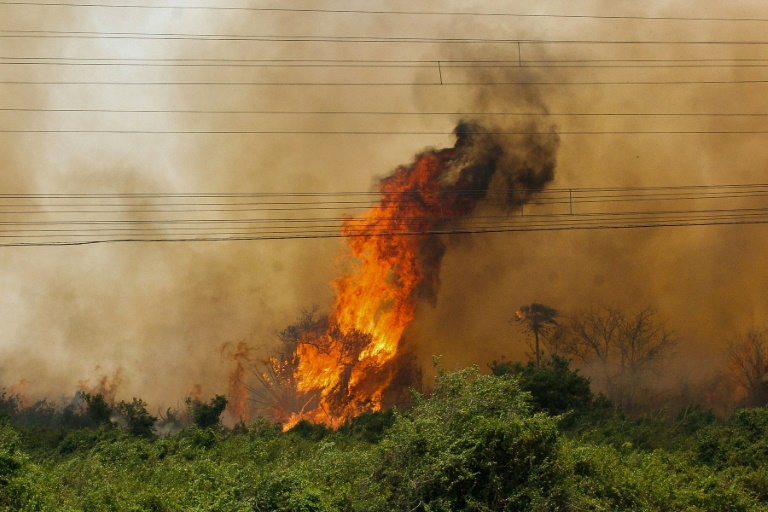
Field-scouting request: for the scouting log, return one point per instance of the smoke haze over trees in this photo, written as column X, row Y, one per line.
column 157, row 315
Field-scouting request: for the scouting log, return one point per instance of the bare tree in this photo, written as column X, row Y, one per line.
column 644, row 345
column 626, row 348
column 595, row 333
column 748, row 363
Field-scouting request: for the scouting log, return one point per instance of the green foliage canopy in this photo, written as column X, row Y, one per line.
column 473, row 445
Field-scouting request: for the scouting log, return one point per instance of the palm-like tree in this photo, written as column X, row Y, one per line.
column 538, row 320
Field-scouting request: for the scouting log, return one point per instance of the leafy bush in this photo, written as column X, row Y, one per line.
column 140, row 422
column 98, row 410
column 554, row 387
column 607, row 478
column 10, row 461
column 15, row 490
column 286, row 491
column 311, row 431
column 207, row 415
column 477, row 443
column 740, row 442
column 84, row 440
column 473, row 445
column 9, row 405
column 369, row 427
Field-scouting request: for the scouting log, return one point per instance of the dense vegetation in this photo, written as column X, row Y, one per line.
column 526, row 437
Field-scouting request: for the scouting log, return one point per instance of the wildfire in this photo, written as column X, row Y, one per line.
column 348, row 364
column 105, row 385
column 20, row 390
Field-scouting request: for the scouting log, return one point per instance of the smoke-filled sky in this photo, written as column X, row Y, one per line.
column 160, row 312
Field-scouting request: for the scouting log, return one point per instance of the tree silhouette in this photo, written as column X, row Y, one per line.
column 539, row 320
column 748, row 362
column 206, row 415
column 140, row 422
column 629, row 348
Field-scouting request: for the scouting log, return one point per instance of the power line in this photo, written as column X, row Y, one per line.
column 363, row 62
column 311, row 236
column 390, row 84
column 45, row 204
column 379, row 133
column 569, row 197
column 648, row 190
column 350, row 224
column 305, row 215
column 382, row 12
column 383, row 112
column 386, row 64
column 58, row 34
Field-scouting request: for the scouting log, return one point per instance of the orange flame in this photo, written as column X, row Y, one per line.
column 19, row 390
column 347, row 367
column 105, row 385
column 376, row 301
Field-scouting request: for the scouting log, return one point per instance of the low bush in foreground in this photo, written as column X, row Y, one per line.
column 478, row 442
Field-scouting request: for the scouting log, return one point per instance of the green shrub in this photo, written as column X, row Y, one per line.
column 473, row 445
column 607, row 478
column 16, row 491
column 10, row 460
column 9, row 405
column 742, row 441
column 287, row 491
column 139, row 422
column 553, row 386
column 311, row 431
column 207, row 415
column 369, row 427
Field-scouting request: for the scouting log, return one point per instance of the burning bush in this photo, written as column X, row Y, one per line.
column 358, row 358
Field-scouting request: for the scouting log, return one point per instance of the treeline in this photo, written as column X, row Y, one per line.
column 95, row 410
column 526, row 437
column 640, row 364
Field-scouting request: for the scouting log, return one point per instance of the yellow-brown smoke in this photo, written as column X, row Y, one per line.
column 159, row 312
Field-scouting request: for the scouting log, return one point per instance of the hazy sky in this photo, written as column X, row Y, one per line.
column 161, row 312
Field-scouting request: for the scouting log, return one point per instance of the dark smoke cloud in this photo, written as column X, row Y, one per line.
column 483, row 161
column 520, row 166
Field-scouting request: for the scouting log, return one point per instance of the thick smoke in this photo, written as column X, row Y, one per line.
column 161, row 312
column 483, row 162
